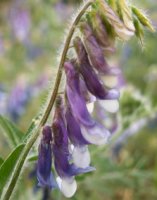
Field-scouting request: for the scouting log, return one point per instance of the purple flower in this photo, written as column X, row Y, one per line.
column 103, row 117
column 93, row 82
column 44, row 174
column 76, row 100
column 73, row 129
column 96, row 134
column 61, row 148
column 91, row 130
column 80, row 153
column 85, row 93
column 94, row 50
column 65, row 169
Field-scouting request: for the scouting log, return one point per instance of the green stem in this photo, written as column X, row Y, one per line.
column 35, row 132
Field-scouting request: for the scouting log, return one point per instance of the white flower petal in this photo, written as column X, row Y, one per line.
column 92, row 98
column 110, row 81
column 67, row 186
column 111, row 106
column 59, row 181
column 124, row 33
column 97, row 134
column 71, row 148
column 81, row 156
column 90, row 107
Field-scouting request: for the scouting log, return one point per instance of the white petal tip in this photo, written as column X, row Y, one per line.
column 97, row 135
column 90, row 107
column 67, row 186
column 110, row 81
column 81, row 157
column 111, row 106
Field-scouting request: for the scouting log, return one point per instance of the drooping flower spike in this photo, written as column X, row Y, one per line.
column 88, row 77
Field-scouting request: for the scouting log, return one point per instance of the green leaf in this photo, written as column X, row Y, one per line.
column 1, row 161
column 8, row 165
column 13, row 134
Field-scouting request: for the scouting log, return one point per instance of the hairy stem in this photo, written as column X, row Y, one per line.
column 35, row 132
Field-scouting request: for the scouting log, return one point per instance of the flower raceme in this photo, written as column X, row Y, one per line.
column 73, row 126
column 91, row 85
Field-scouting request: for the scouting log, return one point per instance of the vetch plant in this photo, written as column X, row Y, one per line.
column 90, row 82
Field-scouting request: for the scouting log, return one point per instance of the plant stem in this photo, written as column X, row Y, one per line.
column 35, row 132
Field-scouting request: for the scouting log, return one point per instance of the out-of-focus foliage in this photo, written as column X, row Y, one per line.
column 28, row 54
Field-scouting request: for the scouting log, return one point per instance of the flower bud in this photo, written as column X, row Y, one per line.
column 126, row 14
column 139, row 31
column 100, row 31
column 93, row 49
column 93, row 82
column 122, row 32
column 142, row 18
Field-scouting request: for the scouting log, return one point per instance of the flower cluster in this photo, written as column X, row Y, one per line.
column 55, row 144
column 90, row 82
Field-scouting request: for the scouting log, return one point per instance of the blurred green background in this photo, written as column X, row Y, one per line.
column 31, row 34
